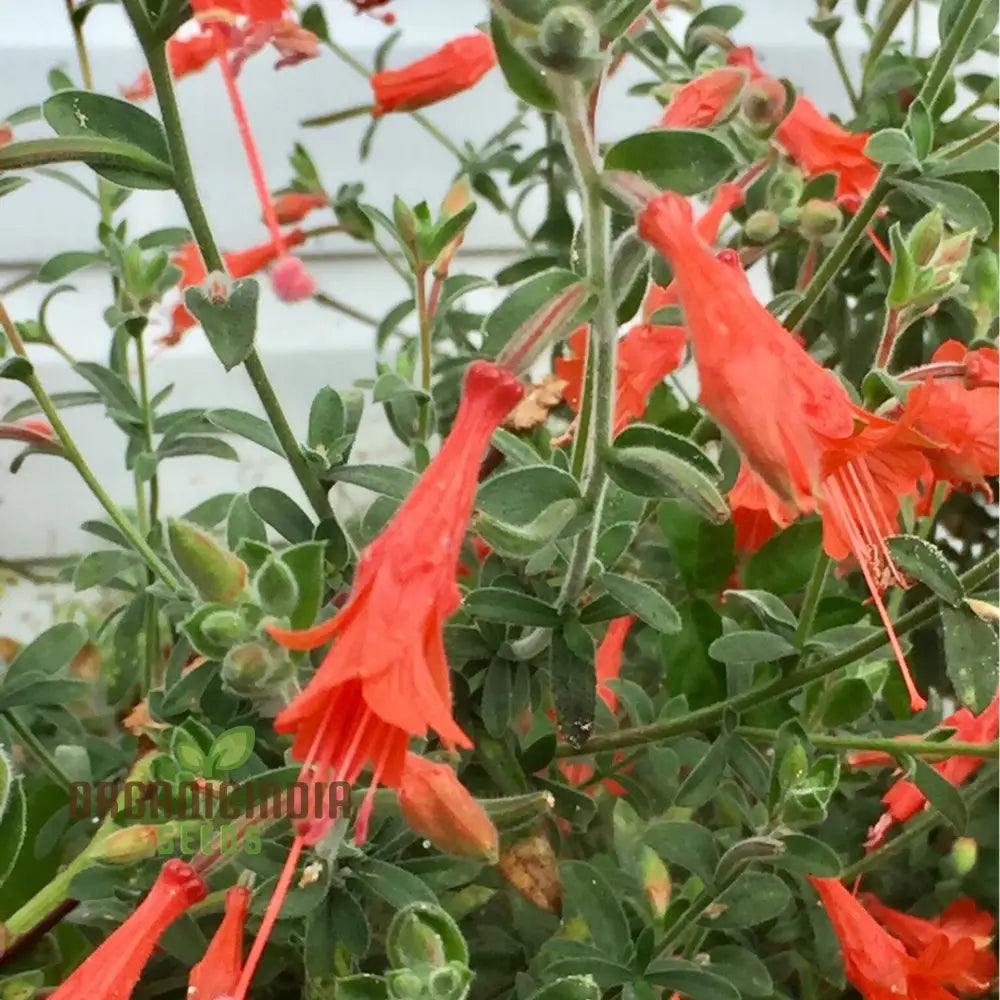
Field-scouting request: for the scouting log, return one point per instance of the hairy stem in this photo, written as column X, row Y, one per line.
column 890, row 16
column 895, row 747
column 711, row 715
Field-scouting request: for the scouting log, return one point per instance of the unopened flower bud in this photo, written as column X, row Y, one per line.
column 276, row 587
column 248, row 667
column 655, row 882
column 405, row 985
column 789, row 217
column 925, row 237
column 290, row 279
column 125, row 847
column 964, row 855
column 217, row 575
column 217, row 287
column 819, row 218
column 223, row 627
column 784, row 190
column 6, row 134
column 764, row 101
column 762, row 226
column 458, row 197
column 438, row 807
column 706, row 100
column 294, row 206
column 568, row 40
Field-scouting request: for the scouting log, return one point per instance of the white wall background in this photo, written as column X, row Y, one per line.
column 304, row 346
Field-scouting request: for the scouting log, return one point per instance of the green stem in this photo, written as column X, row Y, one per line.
column 637, row 50
column 697, row 909
column 986, row 133
column 36, row 748
column 813, row 595
column 895, row 747
column 838, row 61
column 947, row 55
column 890, row 16
column 329, row 302
column 594, row 433
column 187, row 191
column 919, row 827
column 663, row 33
column 704, row 718
column 36, row 909
column 426, row 348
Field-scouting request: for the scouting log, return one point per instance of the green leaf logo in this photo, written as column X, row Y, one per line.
column 230, row 750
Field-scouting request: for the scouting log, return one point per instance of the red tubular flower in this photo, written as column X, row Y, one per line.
column 757, row 511
column 646, row 355
column 820, row 146
column 438, row 806
column 904, row 799
column 962, row 417
column 706, row 99
column 725, row 199
column 218, row 973
column 294, row 206
column 877, row 965
column 456, row 66
column 966, row 928
column 31, row 430
column 385, row 678
column 112, row 970
column 792, row 419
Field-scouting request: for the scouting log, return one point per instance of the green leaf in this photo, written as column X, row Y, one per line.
column 648, row 435
column 675, row 975
column 941, row 794
column 750, row 647
column 248, row 426
column 703, row 553
column 520, row 495
column 723, row 16
column 281, row 512
column 587, row 897
column 702, row 782
column 276, row 588
column 190, row 444
column 962, row 205
column 893, row 146
column 643, row 601
column 767, row 607
column 688, row 845
column 569, row 987
column 574, row 686
column 742, row 968
column 682, row 160
column 395, row 885
column 522, row 304
column 305, row 562
column 388, row 480
column 61, row 401
column 66, row 263
column 982, row 27
column 510, row 607
column 808, row 856
column 923, row 561
column 849, row 699
column 121, row 162
column 658, row 474
column 210, row 512
column 13, row 825
column 327, row 418
column 785, row 563
column 496, row 704
column 37, row 689
column 390, row 385
column 920, row 125
column 523, row 77
column 754, row 898
column 242, row 522
column 231, row 749
column 8, row 185
column 49, row 653
column 524, row 541
column 116, row 392
column 230, row 326
column 971, row 655
column 99, row 568
column 17, row 369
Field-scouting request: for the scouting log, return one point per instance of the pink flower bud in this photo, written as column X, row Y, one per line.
column 290, row 279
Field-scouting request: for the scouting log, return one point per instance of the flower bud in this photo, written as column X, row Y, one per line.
column 964, row 855
column 764, row 101
column 131, row 844
column 276, row 587
column 438, row 807
column 457, row 198
column 983, row 278
column 655, row 882
column 762, row 226
column 405, row 985
column 784, row 190
column 819, row 218
column 294, row 206
column 422, row 935
column 705, row 100
column 223, row 627
column 568, row 40
column 6, row 134
column 925, row 237
column 215, row 573
column 249, row 667
column 789, row 217
column 217, row 287
column 290, row 279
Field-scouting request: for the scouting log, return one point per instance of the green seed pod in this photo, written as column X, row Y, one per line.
column 762, row 226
